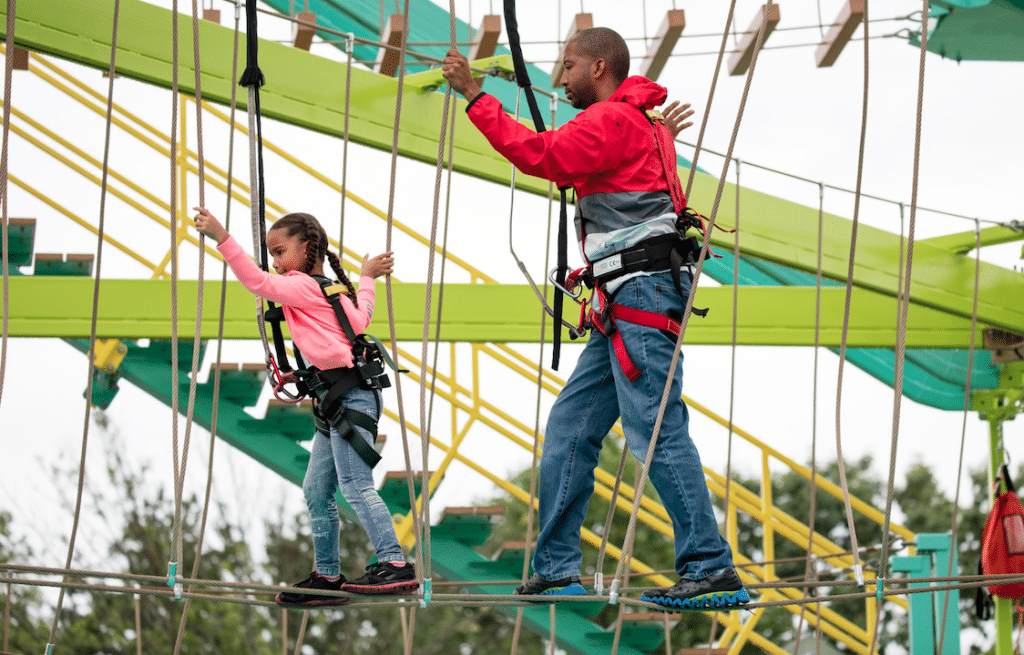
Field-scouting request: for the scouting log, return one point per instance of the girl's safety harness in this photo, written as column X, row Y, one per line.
column 326, row 388
column 669, row 252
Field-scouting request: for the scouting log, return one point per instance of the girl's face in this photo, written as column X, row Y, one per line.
column 288, row 252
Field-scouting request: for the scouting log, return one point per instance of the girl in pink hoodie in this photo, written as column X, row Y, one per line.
column 298, row 245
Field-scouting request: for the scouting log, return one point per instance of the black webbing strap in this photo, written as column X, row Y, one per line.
column 344, row 420
column 339, row 311
column 523, row 80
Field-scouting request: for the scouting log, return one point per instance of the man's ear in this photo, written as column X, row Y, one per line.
column 598, row 69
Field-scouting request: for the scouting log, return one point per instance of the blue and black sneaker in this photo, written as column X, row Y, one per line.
column 715, row 592
column 538, row 586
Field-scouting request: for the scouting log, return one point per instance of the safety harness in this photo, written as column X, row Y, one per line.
column 326, row 388
column 673, row 252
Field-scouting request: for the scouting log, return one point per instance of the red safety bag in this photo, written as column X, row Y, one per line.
column 1002, row 542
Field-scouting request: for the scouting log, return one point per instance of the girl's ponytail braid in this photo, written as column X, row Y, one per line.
column 336, row 266
column 315, row 246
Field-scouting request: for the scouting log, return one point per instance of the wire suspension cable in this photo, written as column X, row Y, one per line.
column 95, row 302
column 857, row 567
column 732, row 373
column 417, row 526
column 638, row 493
column 963, row 427
column 711, row 97
column 424, row 567
column 536, row 417
column 176, row 543
column 349, row 49
column 812, row 510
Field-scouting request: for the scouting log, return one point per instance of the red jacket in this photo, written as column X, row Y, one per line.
column 609, row 153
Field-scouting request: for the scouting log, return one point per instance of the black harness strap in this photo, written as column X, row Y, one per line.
column 523, row 80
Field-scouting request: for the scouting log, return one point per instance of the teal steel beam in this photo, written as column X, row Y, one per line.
column 774, row 230
column 134, row 309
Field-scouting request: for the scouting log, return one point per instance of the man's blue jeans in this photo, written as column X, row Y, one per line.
column 597, row 393
column 333, row 461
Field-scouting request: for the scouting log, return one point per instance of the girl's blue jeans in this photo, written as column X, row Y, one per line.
column 598, row 393
column 333, row 463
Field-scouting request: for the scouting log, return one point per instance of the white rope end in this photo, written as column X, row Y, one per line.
column 599, row 583
column 613, row 593
column 177, row 591
column 858, row 574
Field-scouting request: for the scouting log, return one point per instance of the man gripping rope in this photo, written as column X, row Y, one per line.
column 621, row 161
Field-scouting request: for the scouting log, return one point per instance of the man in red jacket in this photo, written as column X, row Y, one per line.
column 621, row 163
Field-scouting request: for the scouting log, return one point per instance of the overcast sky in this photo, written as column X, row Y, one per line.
column 798, row 119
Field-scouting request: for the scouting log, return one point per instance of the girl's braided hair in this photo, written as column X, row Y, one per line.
column 309, row 231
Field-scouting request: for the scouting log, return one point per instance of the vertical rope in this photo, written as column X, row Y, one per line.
column 4, row 221
column 638, row 493
column 176, row 548
column 95, row 311
column 223, row 301
column 809, row 566
column 841, row 463
column 901, row 326
column 963, row 427
column 711, row 97
column 391, row 308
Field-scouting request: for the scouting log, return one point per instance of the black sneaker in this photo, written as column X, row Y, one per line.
column 314, row 581
column 538, row 586
column 384, row 578
column 723, row 591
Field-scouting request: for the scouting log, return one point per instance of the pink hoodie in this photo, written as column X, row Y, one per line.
column 311, row 321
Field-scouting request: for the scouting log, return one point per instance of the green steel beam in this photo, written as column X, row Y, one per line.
column 774, row 230
column 134, row 309
column 962, row 243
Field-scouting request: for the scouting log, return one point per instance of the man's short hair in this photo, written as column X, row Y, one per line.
column 607, row 44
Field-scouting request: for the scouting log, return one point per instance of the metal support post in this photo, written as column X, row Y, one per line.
column 922, row 617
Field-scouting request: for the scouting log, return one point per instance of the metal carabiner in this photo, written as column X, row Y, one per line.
column 579, row 287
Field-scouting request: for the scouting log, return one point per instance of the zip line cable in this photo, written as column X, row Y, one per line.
column 91, row 356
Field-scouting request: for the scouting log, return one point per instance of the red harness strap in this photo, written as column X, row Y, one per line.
column 616, row 312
